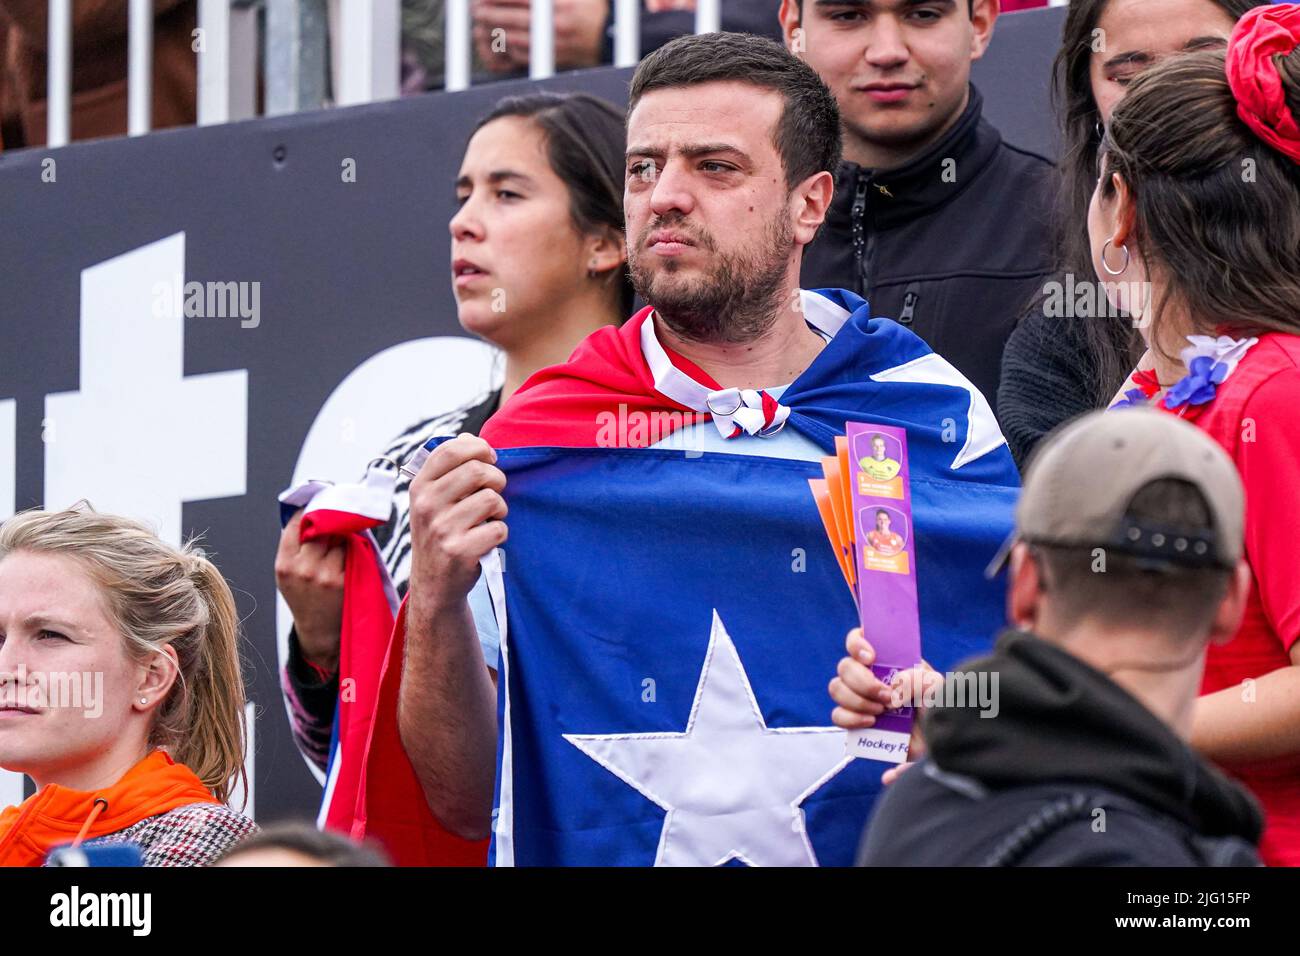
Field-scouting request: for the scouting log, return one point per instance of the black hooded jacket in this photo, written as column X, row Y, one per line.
column 953, row 244
column 1072, row 771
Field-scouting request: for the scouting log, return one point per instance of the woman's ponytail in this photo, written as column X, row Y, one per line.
column 213, row 744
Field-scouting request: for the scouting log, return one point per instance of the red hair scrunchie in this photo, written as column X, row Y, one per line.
column 1260, row 35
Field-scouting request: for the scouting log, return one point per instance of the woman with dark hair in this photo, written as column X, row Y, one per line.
column 538, row 262
column 1064, row 358
column 1196, row 214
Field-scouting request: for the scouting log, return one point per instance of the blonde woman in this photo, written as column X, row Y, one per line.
column 120, row 691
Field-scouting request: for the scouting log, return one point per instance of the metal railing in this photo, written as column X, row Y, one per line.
column 227, row 61
column 366, row 50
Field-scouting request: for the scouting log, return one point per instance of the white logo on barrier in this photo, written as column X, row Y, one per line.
column 240, row 798
column 140, row 437
column 378, row 400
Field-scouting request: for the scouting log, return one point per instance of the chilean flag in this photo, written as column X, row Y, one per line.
column 670, row 621
column 348, row 806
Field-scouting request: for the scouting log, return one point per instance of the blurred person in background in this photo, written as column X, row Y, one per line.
column 584, row 29
column 99, row 58
column 149, row 752
column 99, row 66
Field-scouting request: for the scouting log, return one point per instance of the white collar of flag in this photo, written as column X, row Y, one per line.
column 735, row 411
column 372, row 497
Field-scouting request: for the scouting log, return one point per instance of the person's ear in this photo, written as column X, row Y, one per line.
column 605, row 250
column 983, row 16
column 1231, row 609
column 1024, row 589
column 815, row 199
column 1125, row 211
column 789, row 17
column 156, row 678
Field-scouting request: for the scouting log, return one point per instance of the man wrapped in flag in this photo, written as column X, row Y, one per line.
column 668, row 608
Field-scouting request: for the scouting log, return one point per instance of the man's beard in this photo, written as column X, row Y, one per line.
column 737, row 302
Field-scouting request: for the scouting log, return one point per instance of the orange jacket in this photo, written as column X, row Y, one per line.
column 55, row 815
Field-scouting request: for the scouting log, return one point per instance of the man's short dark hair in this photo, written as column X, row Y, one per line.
column 1136, row 592
column 808, row 134
column 323, row 846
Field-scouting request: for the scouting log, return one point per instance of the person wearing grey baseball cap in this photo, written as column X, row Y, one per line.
column 1126, row 562
column 1078, row 492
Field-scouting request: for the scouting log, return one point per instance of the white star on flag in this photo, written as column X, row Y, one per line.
column 732, row 787
column 983, row 434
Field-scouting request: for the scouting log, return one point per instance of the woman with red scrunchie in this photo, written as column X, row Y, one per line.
column 1195, row 229
column 1264, row 38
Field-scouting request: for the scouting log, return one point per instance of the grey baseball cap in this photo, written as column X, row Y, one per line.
column 1082, row 479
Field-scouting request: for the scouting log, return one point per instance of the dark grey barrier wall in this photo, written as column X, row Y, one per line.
column 346, row 270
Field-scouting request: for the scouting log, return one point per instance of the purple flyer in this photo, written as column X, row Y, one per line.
column 885, row 552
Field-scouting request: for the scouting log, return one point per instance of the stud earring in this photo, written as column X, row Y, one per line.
column 144, row 700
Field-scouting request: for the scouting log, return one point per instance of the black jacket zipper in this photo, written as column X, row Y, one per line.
column 910, row 298
column 862, row 243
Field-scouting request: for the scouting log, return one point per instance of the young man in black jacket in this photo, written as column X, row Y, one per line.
column 1073, row 751
column 936, row 221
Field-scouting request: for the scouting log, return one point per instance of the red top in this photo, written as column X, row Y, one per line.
column 1255, row 416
